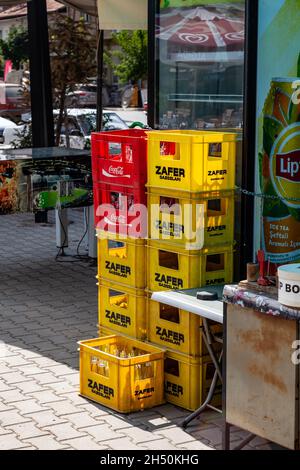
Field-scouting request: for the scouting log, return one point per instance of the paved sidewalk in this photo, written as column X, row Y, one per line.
column 45, row 308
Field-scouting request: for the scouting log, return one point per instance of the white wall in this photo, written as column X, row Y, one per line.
column 6, row 25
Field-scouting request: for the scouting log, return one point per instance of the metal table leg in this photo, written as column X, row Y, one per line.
column 205, row 331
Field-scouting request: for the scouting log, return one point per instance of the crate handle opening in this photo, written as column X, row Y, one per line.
column 215, row 150
column 99, row 366
column 117, row 249
column 215, row 207
column 115, row 150
column 172, row 367
column 170, row 150
column 215, row 262
column 169, row 205
column 168, row 260
column 169, row 313
column 144, row 371
column 118, row 299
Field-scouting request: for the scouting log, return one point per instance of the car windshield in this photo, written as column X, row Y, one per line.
column 111, row 121
column 87, row 123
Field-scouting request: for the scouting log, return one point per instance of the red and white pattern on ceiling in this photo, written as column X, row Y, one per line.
column 205, row 28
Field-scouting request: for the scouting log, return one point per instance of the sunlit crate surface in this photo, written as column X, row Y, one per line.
column 121, row 373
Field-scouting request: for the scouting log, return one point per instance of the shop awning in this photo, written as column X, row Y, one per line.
column 189, row 32
column 113, row 14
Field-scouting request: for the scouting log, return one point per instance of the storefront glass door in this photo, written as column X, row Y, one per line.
column 200, row 57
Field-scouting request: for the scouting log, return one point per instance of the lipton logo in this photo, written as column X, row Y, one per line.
column 285, row 165
column 288, row 166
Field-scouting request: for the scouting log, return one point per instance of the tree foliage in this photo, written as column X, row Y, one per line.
column 16, row 46
column 73, row 59
column 132, row 55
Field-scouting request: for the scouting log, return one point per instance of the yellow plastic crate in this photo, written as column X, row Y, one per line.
column 187, row 381
column 110, row 377
column 172, row 267
column 205, row 219
column 122, row 261
column 177, row 329
column 192, row 160
column 123, row 309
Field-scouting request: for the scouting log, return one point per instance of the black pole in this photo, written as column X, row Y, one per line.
column 100, row 53
column 40, row 75
column 152, row 9
column 249, row 134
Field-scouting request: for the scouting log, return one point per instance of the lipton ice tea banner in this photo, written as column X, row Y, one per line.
column 278, row 145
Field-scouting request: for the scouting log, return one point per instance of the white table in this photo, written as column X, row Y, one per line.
column 208, row 310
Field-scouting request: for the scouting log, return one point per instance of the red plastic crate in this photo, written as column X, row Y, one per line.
column 116, row 210
column 120, row 157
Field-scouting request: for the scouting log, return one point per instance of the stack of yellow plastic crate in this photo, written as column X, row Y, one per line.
column 191, row 180
column 117, row 369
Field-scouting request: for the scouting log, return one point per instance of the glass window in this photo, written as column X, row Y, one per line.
column 200, row 51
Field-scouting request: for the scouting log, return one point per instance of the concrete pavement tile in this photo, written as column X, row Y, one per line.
column 61, row 388
column 159, row 422
column 4, row 407
column 4, row 368
column 212, row 435
column 44, row 362
column 30, row 386
column 15, row 377
column 4, row 431
column 83, row 420
column 12, row 395
column 64, row 431
column 102, row 433
column 60, row 370
column 10, row 442
column 64, row 407
column 26, row 430
column 125, row 443
column 28, row 448
column 29, row 406
column 45, row 443
column 171, row 412
column 11, row 417
column 85, row 443
column 46, row 418
column 138, row 435
column 46, row 396
column 116, row 423
column 47, row 378
column 175, row 435
column 159, row 444
column 195, row 445
column 4, row 386
column 94, row 409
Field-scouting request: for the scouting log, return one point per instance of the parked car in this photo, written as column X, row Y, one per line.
column 8, row 131
column 85, row 95
column 82, row 122
column 11, row 96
